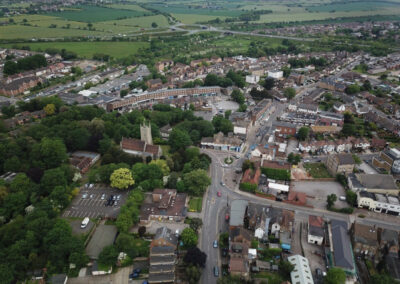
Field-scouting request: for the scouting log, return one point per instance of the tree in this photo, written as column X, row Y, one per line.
column 154, row 25
column 290, row 93
column 162, row 164
column 285, row 267
column 196, row 182
column 348, row 129
column 351, row 197
column 382, row 278
column 196, row 257
column 242, row 108
column 367, row 85
column 195, row 224
column 179, row 139
column 222, row 124
column 8, row 111
column 269, row 83
column 303, row 133
column 193, row 274
column 142, row 231
column 108, row 255
column 331, row 199
column 211, row 80
column 49, row 153
column 49, row 109
column 237, row 96
column 121, row 178
column 335, row 275
column 352, row 89
column 189, row 238
column 228, row 113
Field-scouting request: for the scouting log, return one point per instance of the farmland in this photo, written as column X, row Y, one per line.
column 93, row 14
column 87, row 49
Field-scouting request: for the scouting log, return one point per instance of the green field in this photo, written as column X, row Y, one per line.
column 92, row 14
column 354, row 6
column 224, row 10
column 87, row 49
column 195, row 204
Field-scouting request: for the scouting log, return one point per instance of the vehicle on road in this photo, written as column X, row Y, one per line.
column 215, row 244
column 85, row 195
column 216, row 271
column 219, row 194
column 85, row 222
column 103, row 196
column 227, row 217
column 222, row 183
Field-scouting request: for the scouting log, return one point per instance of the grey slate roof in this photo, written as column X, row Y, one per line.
column 345, row 159
column 167, row 234
column 162, row 278
column 380, row 181
column 238, row 209
column 341, row 245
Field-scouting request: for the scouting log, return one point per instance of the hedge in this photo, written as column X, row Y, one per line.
column 278, row 174
column 249, row 187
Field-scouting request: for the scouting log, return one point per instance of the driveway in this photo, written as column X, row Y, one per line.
column 317, row 192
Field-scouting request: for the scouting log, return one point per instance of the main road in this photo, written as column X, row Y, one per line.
column 216, row 207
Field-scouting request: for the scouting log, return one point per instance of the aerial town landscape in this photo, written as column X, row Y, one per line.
column 187, row 141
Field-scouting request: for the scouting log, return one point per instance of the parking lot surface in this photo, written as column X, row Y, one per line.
column 93, row 206
column 317, row 192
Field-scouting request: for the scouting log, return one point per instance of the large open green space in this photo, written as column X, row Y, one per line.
column 91, row 14
column 87, row 49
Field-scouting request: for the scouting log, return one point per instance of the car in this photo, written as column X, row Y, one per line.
column 227, row 217
column 219, row 193
column 215, row 244
column 342, row 198
column 222, row 183
column 114, row 197
column 86, row 185
column 118, row 197
column 91, row 196
column 137, row 270
column 85, row 195
column 115, row 203
column 103, row 196
column 216, row 271
column 91, row 185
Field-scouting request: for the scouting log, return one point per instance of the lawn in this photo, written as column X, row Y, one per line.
column 92, row 14
column 317, row 170
column 195, row 204
column 87, row 49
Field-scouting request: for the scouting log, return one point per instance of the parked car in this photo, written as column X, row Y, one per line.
column 216, row 271
column 85, row 195
column 85, row 222
column 103, row 196
column 118, row 197
column 342, row 198
column 91, row 196
column 215, row 244
column 219, row 193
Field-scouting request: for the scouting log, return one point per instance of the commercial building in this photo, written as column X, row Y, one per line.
column 223, row 143
column 380, row 203
column 276, row 74
column 387, row 159
column 301, row 273
column 376, row 183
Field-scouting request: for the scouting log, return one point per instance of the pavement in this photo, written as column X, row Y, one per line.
column 93, row 206
column 120, row 277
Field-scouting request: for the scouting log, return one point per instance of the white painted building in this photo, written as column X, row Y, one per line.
column 276, row 74
column 378, row 202
column 252, row 79
column 301, row 273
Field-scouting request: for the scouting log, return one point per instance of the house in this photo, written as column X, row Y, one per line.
column 340, row 253
column 241, row 127
column 83, row 160
column 221, row 142
column 365, row 240
column 316, row 232
column 308, row 108
column 301, row 273
column 143, row 147
column 165, row 131
column 266, row 152
column 164, row 204
column 252, row 79
column 339, row 107
column 276, row 74
column 163, row 256
column 18, row 86
column 340, row 164
column 376, row 183
column 154, row 83
column 160, row 66
column 378, row 144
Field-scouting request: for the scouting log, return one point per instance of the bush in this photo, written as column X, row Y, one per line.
column 249, row 187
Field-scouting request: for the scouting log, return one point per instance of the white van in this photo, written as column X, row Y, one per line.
column 85, row 222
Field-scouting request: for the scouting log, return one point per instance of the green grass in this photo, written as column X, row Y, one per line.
column 195, row 204
column 353, row 6
column 92, row 14
column 128, row 7
column 192, row 19
column 103, row 267
column 87, row 49
column 317, row 170
column 195, row 10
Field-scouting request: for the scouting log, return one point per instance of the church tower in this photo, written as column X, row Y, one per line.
column 145, row 133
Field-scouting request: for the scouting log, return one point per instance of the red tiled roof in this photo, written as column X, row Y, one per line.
column 153, row 149
column 132, row 144
column 316, row 221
